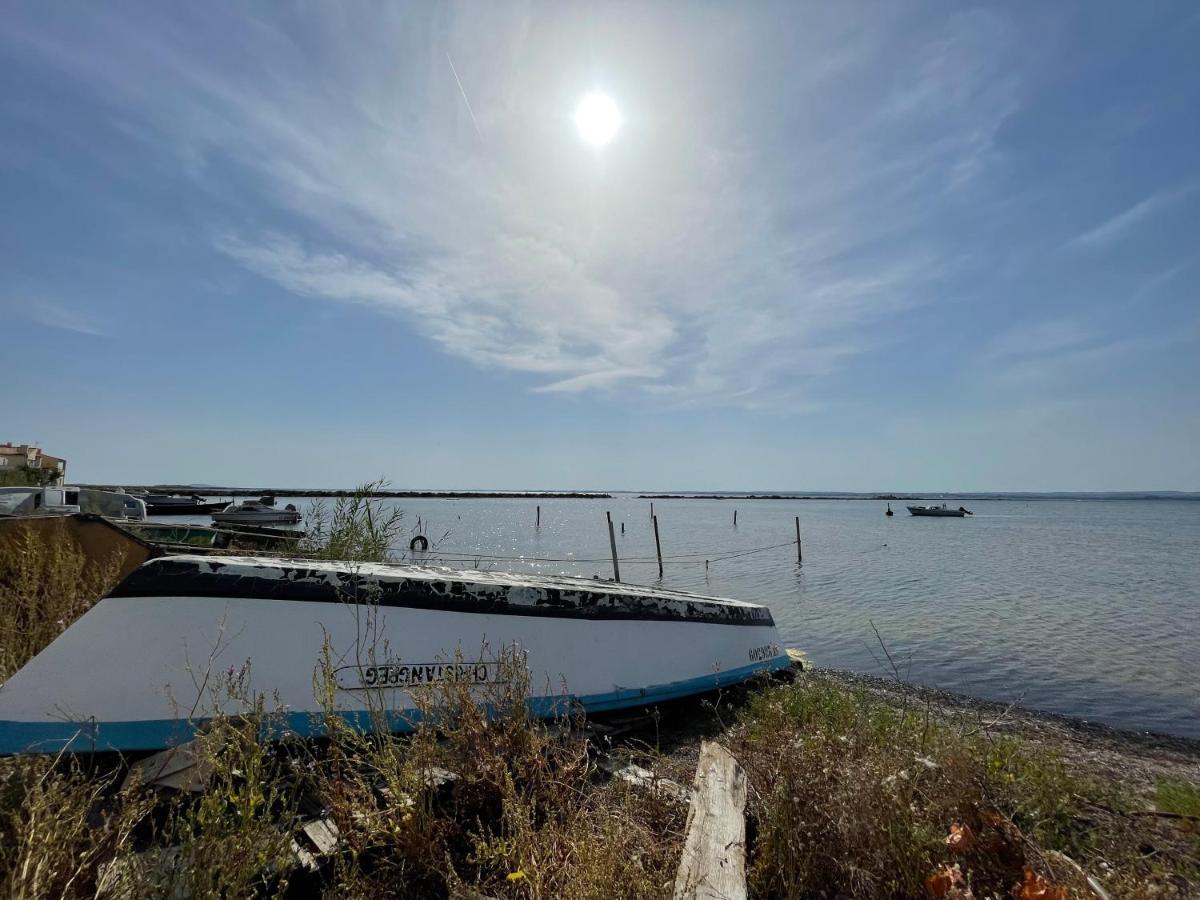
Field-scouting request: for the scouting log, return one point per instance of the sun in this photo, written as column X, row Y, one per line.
column 597, row 119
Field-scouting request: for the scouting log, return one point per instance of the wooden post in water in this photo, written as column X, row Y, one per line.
column 612, row 543
column 799, row 551
column 652, row 509
column 735, row 518
column 539, row 518
column 657, row 547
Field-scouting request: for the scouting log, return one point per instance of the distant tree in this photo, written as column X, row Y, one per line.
column 27, row 476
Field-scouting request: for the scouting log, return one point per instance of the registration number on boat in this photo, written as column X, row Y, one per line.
column 408, row 674
column 766, row 651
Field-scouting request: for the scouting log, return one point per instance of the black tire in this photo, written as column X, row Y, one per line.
column 420, row 542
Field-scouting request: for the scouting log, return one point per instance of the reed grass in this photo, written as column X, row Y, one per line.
column 45, row 585
column 357, row 526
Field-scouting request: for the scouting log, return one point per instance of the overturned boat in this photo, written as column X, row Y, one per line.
column 150, row 663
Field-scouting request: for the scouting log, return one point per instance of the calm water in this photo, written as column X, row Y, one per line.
column 1088, row 608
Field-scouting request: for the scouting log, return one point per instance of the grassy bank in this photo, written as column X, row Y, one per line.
column 855, row 791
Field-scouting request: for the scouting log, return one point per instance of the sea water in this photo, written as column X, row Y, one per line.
column 1088, row 608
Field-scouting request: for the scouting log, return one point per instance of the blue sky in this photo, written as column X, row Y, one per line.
column 833, row 246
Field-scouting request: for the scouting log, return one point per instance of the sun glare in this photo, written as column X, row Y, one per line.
column 597, row 119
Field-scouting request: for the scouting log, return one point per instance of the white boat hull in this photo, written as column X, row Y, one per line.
column 143, row 672
column 937, row 512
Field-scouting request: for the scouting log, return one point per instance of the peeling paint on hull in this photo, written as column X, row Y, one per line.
column 429, row 587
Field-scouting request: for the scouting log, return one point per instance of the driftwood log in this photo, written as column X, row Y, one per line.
column 713, row 866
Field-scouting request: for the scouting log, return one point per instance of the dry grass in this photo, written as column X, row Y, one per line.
column 855, row 795
column 44, row 587
column 523, row 816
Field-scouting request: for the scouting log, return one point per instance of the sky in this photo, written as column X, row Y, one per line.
column 853, row 246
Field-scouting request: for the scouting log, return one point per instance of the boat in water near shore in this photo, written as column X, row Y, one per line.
column 238, row 537
column 942, row 511
column 173, row 505
column 257, row 512
column 149, row 658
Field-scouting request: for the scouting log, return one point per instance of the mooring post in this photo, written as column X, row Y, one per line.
column 652, row 509
column 539, row 518
column 612, row 543
column 657, row 547
column 735, row 518
column 622, row 528
column 799, row 552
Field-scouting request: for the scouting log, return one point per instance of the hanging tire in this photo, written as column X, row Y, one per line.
column 420, row 542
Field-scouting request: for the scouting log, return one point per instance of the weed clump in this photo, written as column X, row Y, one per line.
column 358, row 526
column 858, row 795
column 482, row 796
column 45, row 585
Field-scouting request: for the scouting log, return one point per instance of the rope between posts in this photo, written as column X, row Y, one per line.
column 692, row 558
column 460, row 556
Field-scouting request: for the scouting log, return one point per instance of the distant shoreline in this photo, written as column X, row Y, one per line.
column 217, row 491
column 901, row 498
column 210, row 491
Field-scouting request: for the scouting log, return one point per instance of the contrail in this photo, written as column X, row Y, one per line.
column 462, row 91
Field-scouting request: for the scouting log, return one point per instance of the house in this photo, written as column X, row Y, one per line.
column 50, row 470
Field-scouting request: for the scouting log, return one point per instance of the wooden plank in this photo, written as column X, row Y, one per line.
column 304, row 857
column 324, row 835
column 713, row 866
column 185, row 768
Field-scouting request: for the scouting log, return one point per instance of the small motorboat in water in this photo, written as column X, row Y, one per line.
column 257, row 512
column 174, row 505
column 243, row 537
column 146, row 657
column 940, row 511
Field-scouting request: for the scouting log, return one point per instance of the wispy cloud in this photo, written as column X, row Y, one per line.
column 1157, row 280
column 495, row 309
column 1117, row 226
column 688, row 261
column 1039, row 339
column 52, row 315
column 1045, row 353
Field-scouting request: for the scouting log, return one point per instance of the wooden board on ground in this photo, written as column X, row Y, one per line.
column 185, row 768
column 713, row 866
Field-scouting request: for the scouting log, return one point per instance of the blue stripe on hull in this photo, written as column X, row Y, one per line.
column 155, row 734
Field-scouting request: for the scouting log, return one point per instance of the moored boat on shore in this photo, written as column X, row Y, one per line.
column 153, row 650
